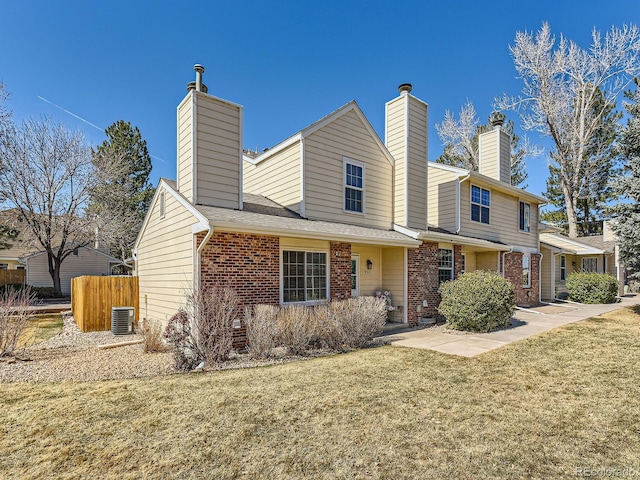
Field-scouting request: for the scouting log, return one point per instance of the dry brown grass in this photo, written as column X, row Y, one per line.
column 538, row 408
column 40, row 328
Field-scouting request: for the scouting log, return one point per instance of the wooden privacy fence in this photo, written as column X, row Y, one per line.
column 93, row 297
column 12, row 276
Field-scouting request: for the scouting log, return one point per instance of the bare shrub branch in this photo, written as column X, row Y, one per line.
column 261, row 330
column 15, row 312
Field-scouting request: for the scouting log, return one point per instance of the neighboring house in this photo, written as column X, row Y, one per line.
column 329, row 213
column 23, row 254
column 563, row 255
column 83, row 261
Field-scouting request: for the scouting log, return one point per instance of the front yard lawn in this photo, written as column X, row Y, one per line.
column 540, row 408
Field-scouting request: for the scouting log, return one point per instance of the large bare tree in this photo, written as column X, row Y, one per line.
column 46, row 173
column 566, row 92
column 460, row 136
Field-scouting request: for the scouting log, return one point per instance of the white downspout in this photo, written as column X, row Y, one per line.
column 199, row 257
column 540, row 276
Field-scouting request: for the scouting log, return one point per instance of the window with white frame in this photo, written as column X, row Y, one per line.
column 4, row 266
column 445, row 265
column 464, row 262
column 353, row 186
column 526, row 270
column 590, row 264
column 525, row 217
column 480, row 204
column 304, row 276
column 563, row 267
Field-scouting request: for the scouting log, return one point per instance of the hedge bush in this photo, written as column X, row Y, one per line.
column 590, row 287
column 478, row 301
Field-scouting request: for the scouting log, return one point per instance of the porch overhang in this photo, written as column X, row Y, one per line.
column 477, row 243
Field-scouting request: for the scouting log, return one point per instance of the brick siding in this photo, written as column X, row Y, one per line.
column 340, row 270
column 250, row 264
column 525, row 297
column 423, row 282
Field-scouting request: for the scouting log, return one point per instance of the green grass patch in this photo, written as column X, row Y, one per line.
column 538, row 408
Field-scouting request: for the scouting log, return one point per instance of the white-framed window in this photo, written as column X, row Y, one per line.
column 4, row 266
column 563, row 267
column 304, row 276
column 353, row 186
column 464, row 262
column 162, row 204
column 20, row 267
column 480, row 204
column 590, row 264
column 526, row 270
column 445, row 265
column 76, row 252
column 525, row 217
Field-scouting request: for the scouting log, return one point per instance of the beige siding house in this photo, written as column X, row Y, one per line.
column 83, row 261
column 329, row 213
column 563, row 256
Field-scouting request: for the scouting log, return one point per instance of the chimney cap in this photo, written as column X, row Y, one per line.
column 405, row 87
column 496, row 119
column 198, row 68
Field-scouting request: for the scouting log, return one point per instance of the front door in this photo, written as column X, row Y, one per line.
column 355, row 276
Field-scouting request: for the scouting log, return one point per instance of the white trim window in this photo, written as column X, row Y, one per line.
column 590, row 264
column 526, row 270
column 4, row 266
column 525, row 217
column 563, row 268
column 353, row 186
column 480, row 204
column 445, row 265
column 304, row 276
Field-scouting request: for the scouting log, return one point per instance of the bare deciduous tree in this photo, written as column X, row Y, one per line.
column 563, row 84
column 47, row 174
column 460, row 137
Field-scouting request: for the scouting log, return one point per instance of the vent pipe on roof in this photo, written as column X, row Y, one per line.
column 405, row 88
column 198, row 86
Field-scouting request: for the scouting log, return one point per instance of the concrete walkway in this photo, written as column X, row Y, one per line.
column 524, row 324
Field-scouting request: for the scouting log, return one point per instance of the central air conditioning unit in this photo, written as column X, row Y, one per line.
column 122, row 320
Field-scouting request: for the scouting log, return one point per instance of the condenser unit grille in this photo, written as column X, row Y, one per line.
column 122, row 320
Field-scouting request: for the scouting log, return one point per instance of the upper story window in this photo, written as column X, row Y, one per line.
column 525, row 217
column 353, row 186
column 480, row 204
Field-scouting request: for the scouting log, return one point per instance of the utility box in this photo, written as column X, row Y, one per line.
column 123, row 320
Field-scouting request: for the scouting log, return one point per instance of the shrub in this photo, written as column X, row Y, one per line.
column 151, row 332
column 14, row 314
column 295, row 328
column 203, row 330
column 478, row 301
column 327, row 328
column 261, row 330
column 590, row 287
column 359, row 319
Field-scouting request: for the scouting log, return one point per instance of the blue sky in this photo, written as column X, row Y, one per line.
column 288, row 62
